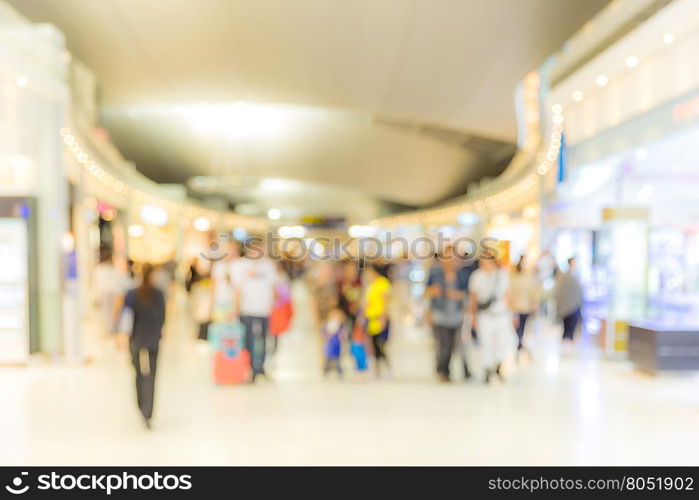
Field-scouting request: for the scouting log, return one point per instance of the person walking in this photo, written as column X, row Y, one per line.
column 489, row 308
column 349, row 290
column 283, row 309
column 193, row 274
column 111, row 286
column 446, row 290
column 376, row 305
column 568, row 297
column 255, row 278
column 146, row 307
column 334, row 332
column 524, row 293
column 223, row 274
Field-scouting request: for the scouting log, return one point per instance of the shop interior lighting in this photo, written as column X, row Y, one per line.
column 530, row 211
column 201, row 224
column 152, row 214
column 22, row 81
column 578, row 95
column 274, row 213
column 467, row 218
column 136, row 230
column 631, row 61
column 668, row 38
column 291, row 231
column 602, row 80
column 68, row 242
column 240, row 234
column 361, row 231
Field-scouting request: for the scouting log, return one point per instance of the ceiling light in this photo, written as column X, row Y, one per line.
column 668, row 38
column 235, row 120
column 274, row 213
column 631, row 61
column 578, row 95
column 602, row 80
column 276, row 184
column 641, row 154
column 22, row 81
column 557, row 109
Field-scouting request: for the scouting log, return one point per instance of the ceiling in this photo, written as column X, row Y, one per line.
column 401, row 101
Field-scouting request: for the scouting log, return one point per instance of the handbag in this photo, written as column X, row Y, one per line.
column 484, row 306
column 126, row 319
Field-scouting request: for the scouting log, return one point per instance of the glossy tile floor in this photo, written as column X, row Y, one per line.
column 570, row 410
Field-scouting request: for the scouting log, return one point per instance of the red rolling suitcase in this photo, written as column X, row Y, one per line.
column 232, row 362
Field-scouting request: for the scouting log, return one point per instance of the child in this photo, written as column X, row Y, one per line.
column 334, row 333
column 358, row 344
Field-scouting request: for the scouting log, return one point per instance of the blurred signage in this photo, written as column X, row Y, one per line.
column 503, row 248
column 562, row 160
column 323, row 222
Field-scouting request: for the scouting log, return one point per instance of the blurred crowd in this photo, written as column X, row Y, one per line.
column 243, row 302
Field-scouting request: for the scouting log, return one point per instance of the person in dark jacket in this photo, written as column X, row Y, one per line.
column 446, row 289
column 147, row 306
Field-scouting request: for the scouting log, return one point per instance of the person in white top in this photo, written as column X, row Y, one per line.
column 223, row 272
column 255, row 279
column 111, row 286
column 524, row 294
column 490, row 313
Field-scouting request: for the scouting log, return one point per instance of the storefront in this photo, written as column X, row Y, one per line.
column 625, row 205
column 33, row 190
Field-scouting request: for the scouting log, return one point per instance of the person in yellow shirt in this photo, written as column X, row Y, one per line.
column 377, row 294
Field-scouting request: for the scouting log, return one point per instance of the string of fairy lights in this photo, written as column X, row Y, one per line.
column 188, row 211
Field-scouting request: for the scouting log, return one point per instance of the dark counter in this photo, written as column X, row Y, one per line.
column 657, row 346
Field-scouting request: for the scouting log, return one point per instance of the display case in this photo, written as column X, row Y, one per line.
column 17, row 281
